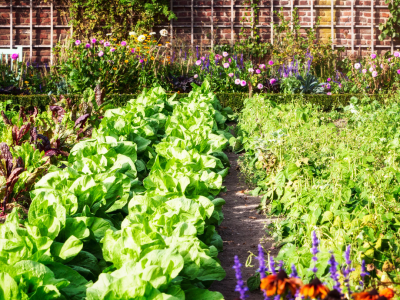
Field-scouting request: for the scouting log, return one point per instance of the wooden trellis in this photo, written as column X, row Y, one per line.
column 312, row 8
column 32, row 27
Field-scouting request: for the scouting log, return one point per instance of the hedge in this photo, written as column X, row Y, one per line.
column 233, row 100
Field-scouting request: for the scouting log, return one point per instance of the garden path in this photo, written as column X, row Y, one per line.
column 241, row 231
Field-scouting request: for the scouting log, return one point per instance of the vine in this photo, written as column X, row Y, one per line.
column 95, row 18
column 392, row 26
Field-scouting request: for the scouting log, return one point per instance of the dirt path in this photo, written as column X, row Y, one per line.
column 242, row 230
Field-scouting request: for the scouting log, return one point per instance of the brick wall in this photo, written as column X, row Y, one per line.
column 202, row 29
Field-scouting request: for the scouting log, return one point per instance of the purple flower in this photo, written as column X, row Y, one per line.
column 240, row 283
column 314, row 251
column 225, row 54
column 333, row 270
column 112, row 49
column 78, row 42
column 218, row 56
column 272, row 81
column 294, row 272
column 123, row 43
column 202, row 58
column 133, row 50
column 230, row 74
column 198, row 62
column 329, row 79
column 261, row 262
column 141, row 61
column 373, row 55
column 270, row 62
column 87, row 45
column 347, row 270
column 230, row 60
column 363, row 273
column 340, row 85
column 398, row 71
column 237, row 81
column 260, row 86
column 258, row 71
column 226, row 65
column 374, row 74
column 94, row 41
column 14, row 56
column 107, row 44
column 101, row 53
column 328, row 86
column 272, row 265
column 243, row 83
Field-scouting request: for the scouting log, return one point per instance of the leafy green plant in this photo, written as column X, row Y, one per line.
column 308, row 85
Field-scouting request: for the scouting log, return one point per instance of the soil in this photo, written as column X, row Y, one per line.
column 241, row 231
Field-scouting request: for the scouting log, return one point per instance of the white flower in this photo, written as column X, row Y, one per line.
column 163, row 32
column 133, row 33
column 109, row 34
column 141, row 38
column 152, row 33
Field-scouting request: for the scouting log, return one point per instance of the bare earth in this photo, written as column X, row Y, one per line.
column 242, row 230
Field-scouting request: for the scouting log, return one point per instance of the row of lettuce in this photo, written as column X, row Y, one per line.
column 333, row 172
column 133, row 213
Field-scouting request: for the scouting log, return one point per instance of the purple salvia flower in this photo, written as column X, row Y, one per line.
column 294, row 272
column 363, row 273
column 347, row 269
column 272, row 265
column 240, row 283
column 197, row 51
column 314, row 251
column 280, row 265
column 334, row 273
column 347, row 255
column 261, row 261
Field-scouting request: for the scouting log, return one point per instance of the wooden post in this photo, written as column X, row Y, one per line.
column 212, row 24
column 332, row 24
column 352, row 25
column 372, row 26
column 11, row 24
column 192, row 20
column 51, row 33
column 272, row 22
column 232, row 20
column 30, row 29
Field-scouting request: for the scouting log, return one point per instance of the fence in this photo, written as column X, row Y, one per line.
column 37, row 25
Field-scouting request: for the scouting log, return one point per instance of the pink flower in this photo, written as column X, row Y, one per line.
column 357, row 66
column 270, row 62
column 230, row 74
column 195, row 76
column 226, row 65
column 14, row 56
column 94, row 41
column 272, row 81
column 262, row 66
column 328, row 86
column 396, row 54
column 225, row 54
column 141, row 61
column 364, row 71
column 112, row 49
column 251, row 70
column 78, row 42
column 243, row 83
column 87, row 45
column 218, row 56
column 202, row 58
column 123, row 43
column 198, row 62
column 381, row 66
column 374, row 73
column 373, row 55
column 107, row 44
column 340, row 85
column 102, row 41
column 398, row 71
column 371, row 69
column 329, row 93
column 133, row 50
column 230, row 60
column 237, row 81
column 328, row 79
column 101, row 53
column 258, row 71
column 260, row 86
column 389, row 59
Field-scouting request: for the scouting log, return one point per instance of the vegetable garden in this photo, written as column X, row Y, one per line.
column 107, row 195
